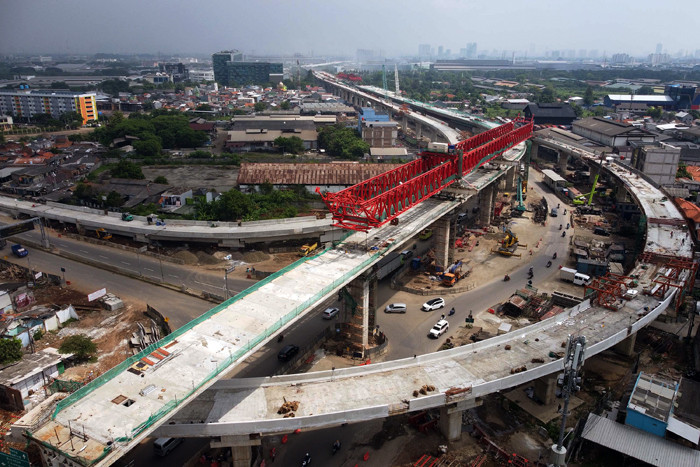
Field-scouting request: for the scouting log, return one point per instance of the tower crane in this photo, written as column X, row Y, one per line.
column 396, row 80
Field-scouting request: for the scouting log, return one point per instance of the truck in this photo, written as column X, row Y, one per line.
column 392, row 263
column 306, row 250
column 573, row 276
column 19, row 251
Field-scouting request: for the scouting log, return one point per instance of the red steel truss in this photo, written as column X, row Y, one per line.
column 380, row 199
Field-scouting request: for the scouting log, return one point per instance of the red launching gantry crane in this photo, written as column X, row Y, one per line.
column 381, row 199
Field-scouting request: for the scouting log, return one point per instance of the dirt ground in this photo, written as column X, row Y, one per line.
column 210, row 177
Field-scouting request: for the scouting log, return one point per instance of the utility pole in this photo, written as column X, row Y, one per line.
column 573, row 362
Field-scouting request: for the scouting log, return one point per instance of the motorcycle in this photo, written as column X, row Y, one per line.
column 452, row 312
column 560, row 226
column 306, row 461
column 506, row 278
column 563, row 234
column 554, row 256
column 280, row 338
column 567, row 226
column 549, row 264
column 336, row 447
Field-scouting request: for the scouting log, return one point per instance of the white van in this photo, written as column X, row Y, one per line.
column 163, row 446
column 581, row 279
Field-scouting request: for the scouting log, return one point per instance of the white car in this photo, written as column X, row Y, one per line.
column 329, row 313
column 433, row 304
column 439, row 329
column 395, row 308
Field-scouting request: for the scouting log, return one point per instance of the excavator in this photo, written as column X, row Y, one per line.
column 103, row 234
column 509, row 245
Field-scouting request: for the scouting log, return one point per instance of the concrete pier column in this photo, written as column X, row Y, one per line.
column 626, row 347
column 363, row 291
column 534, row 150
column 512, row 179
column 546, row 389
column 241, row 448
column 563, row 160
column 486, row 205
column 451, row 423
column 441, row 234
column 621, row 194
column 419, row 130
column 451, row 418
column 404, row 123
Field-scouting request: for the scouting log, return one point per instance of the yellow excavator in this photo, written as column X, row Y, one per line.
column 509, row 245
column 103, row 234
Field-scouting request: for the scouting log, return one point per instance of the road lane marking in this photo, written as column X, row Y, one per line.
column 149, row 269
column 124, row 262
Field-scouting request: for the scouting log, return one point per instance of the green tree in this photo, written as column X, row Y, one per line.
column 84, row 191
column 10, row 350
column 547, row 95
column 114, row 199
column 655, row 112
column 71, row 119
column 160, row 179
column 260, row 106
column 285, row 105
column 147, row 147
column 293, row 144
column 127, row 169
column 59, row 85
column 588, row 98
column 205, row 107
column 644, row 91
column 82, row 347
column 343, row 142
column 199, row 154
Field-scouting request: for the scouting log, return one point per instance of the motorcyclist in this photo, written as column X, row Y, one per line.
column 506, row 277
column 560, row 226
column 563, row 234
column 531, row 271
column 452, row 311
column 549, row 263
column 336, row 446
column 307, row 460
column 554, row 256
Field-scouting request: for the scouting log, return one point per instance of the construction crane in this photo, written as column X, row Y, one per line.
column 384, row 79
column 520, row 207
column 396, row 80
column 581, row 199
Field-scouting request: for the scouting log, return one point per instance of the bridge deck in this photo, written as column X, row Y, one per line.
column 244, row 406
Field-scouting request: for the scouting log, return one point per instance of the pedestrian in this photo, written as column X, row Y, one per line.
column 442, row 317
column 273, row 453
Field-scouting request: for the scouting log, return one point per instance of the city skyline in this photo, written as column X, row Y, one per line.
column 322, row 28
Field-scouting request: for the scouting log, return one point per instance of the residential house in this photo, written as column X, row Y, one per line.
column 175, row 197
column 20, row 380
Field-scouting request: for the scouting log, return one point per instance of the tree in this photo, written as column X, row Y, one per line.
column 161, row 179
column 260, row 106
column 655, row 112
column 71, row 119
column 285, row 105
column 644, row 91
column 84, row 191
column 199, row 154
column 205, row 107
column 127, row 169
column 547, row 95
column 10, row 350
column 588, row 96
column 293, row 144
column 147, row 147
column 114, row 200
column 82, row 347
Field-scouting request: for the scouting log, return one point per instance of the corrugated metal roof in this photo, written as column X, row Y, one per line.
column 310, row 174
column 638, row 444
column 607, row 127
column 640, row 98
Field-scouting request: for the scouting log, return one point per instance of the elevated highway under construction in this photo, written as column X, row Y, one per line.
column 177, row 379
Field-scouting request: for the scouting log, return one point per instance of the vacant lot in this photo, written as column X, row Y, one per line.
column 201, row 176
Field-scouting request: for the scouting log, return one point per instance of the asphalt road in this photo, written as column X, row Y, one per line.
column 139, row 265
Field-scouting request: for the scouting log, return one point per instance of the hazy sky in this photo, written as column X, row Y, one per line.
column 342, row 26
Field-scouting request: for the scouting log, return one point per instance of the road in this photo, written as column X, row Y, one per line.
column 139, row 265
column 407, row 333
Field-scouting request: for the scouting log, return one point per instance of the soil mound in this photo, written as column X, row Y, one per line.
column 255, row 256
column 186, row 256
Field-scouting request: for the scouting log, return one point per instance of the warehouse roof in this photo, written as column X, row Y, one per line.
column 608, row 127
column 343, row 173
column 640, row 98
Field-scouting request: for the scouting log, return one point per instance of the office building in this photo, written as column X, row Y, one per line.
column 424, row 51
column 26, row 104
column 219, row 62
column 471, row 50
column 200, row 75
column 242, row 73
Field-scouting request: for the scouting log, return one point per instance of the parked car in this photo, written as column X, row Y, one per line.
column 287, row 352
column 601, row 231
column 433, row 304
column 330, row 312
column 461, row 217
column 395, row 308
column 553, row 212
column 439, row 329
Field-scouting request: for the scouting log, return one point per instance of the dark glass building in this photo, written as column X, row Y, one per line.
column 219, row 62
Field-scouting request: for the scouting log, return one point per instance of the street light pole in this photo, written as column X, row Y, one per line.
column 226, row 273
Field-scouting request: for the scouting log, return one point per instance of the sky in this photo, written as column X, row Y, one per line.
column 393, row 27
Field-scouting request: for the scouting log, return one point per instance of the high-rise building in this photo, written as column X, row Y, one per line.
column 365, row 55
column 26, row 104
column 659, row 48
column 242, row 73
column 621, row 58
column 441, row 51
column 424, row 51
column 219, row 61
column 471, row 50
